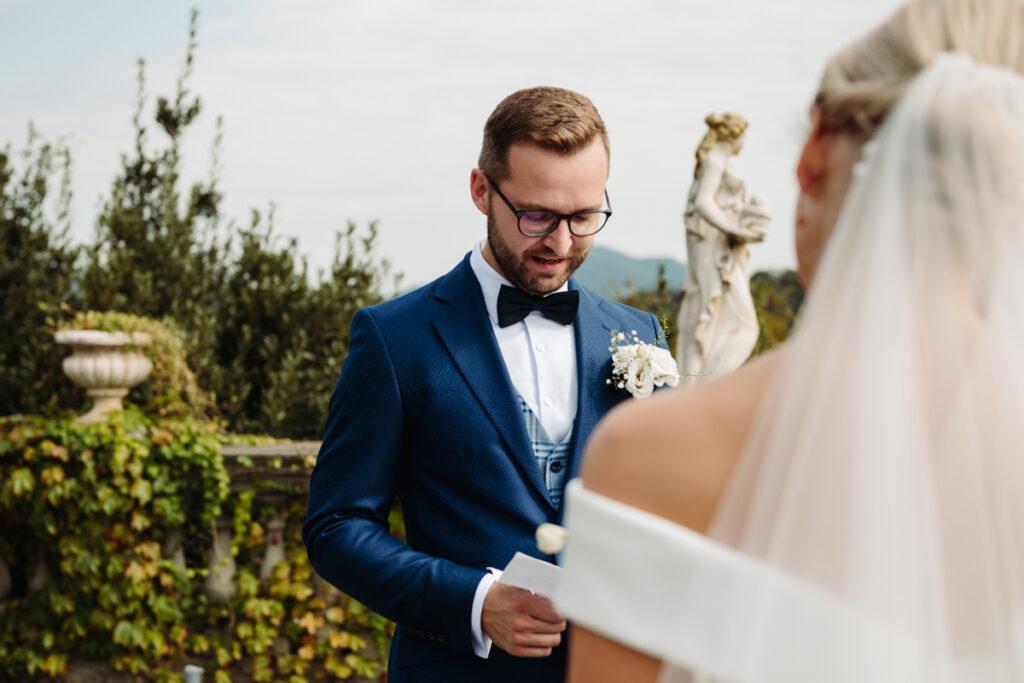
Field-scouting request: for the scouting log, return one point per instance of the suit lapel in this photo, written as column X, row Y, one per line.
column 465, row 331
column 593, row 367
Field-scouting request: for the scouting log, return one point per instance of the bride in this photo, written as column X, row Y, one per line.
column 862, row 486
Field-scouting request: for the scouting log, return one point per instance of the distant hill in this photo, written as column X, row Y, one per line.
column 605, row 269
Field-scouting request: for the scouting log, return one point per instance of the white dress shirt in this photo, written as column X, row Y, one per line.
column 540, row 356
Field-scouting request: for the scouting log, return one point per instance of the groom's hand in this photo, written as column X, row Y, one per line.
column 521, row 622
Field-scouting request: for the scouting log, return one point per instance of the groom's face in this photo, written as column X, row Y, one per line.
column 539, row 178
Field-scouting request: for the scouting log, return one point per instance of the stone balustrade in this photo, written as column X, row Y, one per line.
column 264, row 469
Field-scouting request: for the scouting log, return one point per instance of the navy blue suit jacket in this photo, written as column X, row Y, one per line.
column 424, row 410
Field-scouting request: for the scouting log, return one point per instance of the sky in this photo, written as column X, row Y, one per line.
column 373, row 110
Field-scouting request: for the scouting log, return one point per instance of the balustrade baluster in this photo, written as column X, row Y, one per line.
column 220, row 582
column 174, row 550
column 273, row 551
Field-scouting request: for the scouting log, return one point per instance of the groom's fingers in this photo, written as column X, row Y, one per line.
column 544, row 626
column 542, row 609
column 520, row 622
column 533, row 644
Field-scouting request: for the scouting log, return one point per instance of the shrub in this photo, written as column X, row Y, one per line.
column 265, row 339
column 37, row 269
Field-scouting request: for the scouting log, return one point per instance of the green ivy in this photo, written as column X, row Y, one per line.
column 94, row 505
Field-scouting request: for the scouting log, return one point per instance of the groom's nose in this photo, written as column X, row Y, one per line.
column 559, row 240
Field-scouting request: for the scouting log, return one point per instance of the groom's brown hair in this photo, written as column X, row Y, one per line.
column 552, row 118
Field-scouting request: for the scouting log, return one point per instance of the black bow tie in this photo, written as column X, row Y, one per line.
column 515, row 304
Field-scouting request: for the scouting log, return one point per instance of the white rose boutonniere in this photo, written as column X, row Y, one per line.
column 639, row 367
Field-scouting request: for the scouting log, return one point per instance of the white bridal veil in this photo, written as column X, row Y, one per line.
column 885, row 475
column 874, row 528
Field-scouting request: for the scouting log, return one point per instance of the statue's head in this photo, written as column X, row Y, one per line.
column 727, row 127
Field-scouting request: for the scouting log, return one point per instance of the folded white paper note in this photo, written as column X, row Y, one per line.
column 532, row 574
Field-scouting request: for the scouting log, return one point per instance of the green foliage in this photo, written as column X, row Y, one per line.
column 92, row 505
column 95, row 506
column 777, row 296
column 149, row 253
column 266, row 339
column 281, row 340
column 155, row 254
column 37, row 266
column 663, row 301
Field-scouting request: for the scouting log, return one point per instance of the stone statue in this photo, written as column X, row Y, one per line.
column 717, row 322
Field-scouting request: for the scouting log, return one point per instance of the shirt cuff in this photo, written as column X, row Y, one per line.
column 481, row 642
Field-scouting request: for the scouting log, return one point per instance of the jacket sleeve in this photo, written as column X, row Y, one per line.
column 351, row 493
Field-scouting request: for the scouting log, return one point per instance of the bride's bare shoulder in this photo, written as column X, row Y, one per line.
column 672, row 453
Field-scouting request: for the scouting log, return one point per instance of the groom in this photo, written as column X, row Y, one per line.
column 470, row 400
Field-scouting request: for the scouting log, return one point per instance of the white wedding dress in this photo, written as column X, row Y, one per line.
column 702, row 607
column 873, row 529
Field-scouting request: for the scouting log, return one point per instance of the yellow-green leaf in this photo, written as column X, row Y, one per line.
column 311, row 622
column 140, row 522
column 199, row 644
column 55, row 665
column 301, row 591
column 340, row 639
column 21, row 482
column 135, row 572
column 142, row 491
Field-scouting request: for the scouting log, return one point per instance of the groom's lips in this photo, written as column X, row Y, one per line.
column 547, row 263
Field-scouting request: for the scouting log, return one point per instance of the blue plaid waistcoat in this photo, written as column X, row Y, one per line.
column 552, row 458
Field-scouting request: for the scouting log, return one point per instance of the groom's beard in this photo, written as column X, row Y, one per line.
column 516, row 269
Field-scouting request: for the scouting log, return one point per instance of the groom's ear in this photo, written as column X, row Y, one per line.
column 478, row 191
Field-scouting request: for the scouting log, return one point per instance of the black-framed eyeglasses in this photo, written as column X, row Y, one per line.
column 540, row 222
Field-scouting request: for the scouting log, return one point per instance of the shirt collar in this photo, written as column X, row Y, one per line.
column 491, row 280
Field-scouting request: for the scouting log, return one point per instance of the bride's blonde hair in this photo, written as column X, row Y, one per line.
column 862, row 82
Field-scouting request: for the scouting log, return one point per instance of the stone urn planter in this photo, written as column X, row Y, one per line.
column 107, row 364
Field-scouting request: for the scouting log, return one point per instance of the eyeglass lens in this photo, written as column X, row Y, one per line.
column 582, row 224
